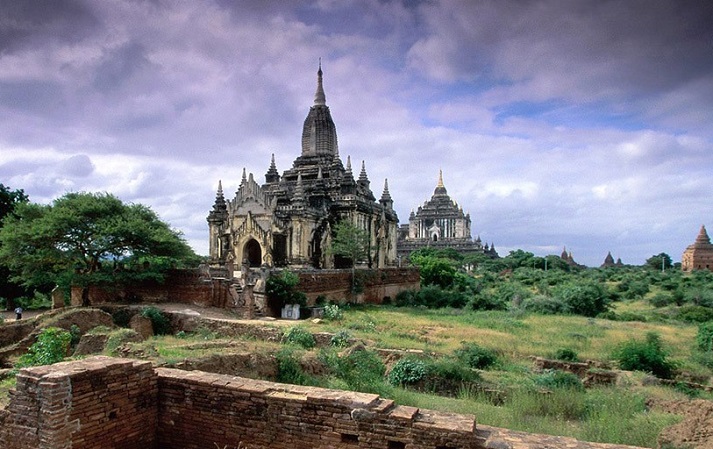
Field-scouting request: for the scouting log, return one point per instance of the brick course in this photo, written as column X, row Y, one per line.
column 104, row 402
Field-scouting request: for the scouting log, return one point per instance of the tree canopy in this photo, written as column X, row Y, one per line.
column 9, row 199
column 85, row 238
column 350, row 242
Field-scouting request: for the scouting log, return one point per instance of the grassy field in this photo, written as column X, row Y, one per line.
column 614, row 414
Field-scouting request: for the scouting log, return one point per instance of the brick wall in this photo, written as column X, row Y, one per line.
column 336, row 285
column 109, row 403
column 99, row 402
column 181, row 286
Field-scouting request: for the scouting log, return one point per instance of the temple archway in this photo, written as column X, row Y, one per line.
column 253, row 253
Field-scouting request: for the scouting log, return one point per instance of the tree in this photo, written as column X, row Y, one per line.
column 660, row 261
column 86, row 238
column 9, row 199
column 350, row 242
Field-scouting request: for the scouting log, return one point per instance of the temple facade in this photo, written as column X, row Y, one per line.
column 288, row 219
column 440, row 223
column 699, row 255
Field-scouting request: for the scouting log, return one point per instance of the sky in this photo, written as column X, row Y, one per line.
column 556, row 123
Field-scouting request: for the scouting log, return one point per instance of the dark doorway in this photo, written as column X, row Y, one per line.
column 253, row 253
column 279, row 250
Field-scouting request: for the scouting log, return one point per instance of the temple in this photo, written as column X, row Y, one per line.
column 699, row 255
column 288, row 220
column 440, row 223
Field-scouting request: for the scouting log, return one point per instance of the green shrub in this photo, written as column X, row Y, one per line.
column 694, row 314
column 340, row 339
column 566, row 354
column 283, row 289
column 662, row 299
column 37, row 301
column 361, row 370
column 159, row 321
column 51, row 347
column 451, row 370
column 553, row 378
column 289, row 369
column 407, row 371
column 476, row 356
column 704, row 339
column 299, row 336
column 76, row 334
column 332, row 312
column 545, row 305
column 584, row 298
column 648, row 356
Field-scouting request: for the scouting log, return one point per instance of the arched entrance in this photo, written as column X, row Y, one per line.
column 253, row 253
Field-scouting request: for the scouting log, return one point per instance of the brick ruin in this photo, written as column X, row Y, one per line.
column 245, row 295
column 104, row 402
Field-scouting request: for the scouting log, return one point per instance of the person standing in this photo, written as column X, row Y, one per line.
column 18, row 313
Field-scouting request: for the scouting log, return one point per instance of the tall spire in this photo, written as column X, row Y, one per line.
column 272, row 174
column 386, row 199
column 319, row 98
column 703, row 236
column 220, row 208
column 440, row 188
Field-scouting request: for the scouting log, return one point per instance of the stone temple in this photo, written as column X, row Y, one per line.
column 440, row 223
column 288, row 220
column 699, row 255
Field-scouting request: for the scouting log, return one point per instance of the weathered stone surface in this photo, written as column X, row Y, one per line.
column 142, row 326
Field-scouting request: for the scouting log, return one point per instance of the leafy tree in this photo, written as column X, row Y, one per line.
column 9, row 199
column 350, row 242
column 89, row 238
column 283, row 289
column 435, row 270
column 584, row 298
column 661, row 261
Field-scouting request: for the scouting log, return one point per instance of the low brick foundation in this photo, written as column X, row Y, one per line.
column 104, row 402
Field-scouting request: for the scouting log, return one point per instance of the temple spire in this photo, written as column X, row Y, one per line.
column 440, row 178
column 319, row 97
column 703, row 236
column 386, row 199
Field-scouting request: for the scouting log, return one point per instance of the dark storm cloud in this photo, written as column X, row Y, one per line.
column 27, row 22
column 598, row 48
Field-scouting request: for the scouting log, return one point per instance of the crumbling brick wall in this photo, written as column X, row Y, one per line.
column 112, row 403
column 200, row 410
column 373, row 285
column 99, row 402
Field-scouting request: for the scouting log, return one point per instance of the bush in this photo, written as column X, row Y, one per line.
column 648, row 356
column 299, row 336
column 51, row 347
column 361, row 370
column 76, row 334
column 283, row 289
column 407, row 371
column 566, row 354
column 545, row 305
column 340, row 339
column 562, row 403
column 694, row 314
column 662, row 300
column 558, row 379
column 476, row 356
column 332, row 312
column 289, row 370
column 704, row 339
column 585, row 298
column 159, row 321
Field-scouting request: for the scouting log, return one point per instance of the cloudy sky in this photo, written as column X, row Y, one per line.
column 585, row 124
